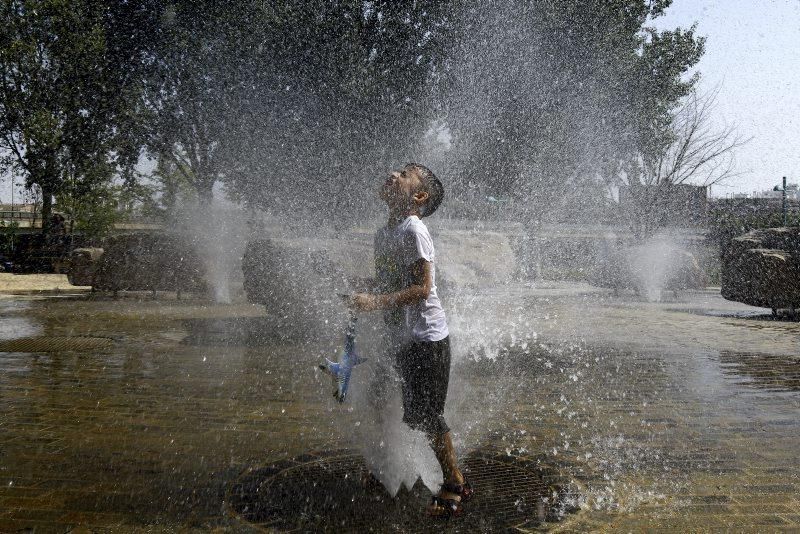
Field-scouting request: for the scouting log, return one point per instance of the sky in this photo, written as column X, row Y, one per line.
column 753, row 58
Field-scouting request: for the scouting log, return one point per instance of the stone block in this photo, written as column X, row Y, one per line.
column 149, row 262
column 762, row 268
column 647, row 268
column 82, row 264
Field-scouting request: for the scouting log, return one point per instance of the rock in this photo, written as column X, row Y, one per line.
column 647, row 269
column 612, row 269
column 82, row 264
column 299, row 280
column 762, row 268
column 149, row 262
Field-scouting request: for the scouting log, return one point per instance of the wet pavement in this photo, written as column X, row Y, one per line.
column 138, row 414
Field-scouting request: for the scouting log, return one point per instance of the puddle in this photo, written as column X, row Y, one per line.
column 246, row 332
column 12, row 324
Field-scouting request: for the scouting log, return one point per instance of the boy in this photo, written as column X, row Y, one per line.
column 405, row 288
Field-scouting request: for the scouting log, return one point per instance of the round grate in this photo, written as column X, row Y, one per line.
column 56, row 344
column 332, row 492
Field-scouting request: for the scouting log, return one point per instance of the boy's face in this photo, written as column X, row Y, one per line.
column 403, row 189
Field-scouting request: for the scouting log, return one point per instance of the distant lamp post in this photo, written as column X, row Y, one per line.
column 12, row 213
column 784, row 201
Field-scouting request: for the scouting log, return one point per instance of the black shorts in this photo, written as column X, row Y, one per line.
column 424, row 369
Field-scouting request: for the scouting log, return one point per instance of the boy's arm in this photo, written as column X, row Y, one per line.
column 419, row 289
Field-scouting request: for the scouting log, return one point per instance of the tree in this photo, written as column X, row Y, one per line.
column 544, row 97
column 281, row 99
column 358, row 75
column 173, row 185
column 67, row 78
column 299, row 107
column 189, row 94
column 695, row 152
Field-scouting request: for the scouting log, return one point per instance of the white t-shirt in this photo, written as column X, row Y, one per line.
column 396, row 249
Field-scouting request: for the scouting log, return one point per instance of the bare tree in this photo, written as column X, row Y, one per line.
column 653, row 184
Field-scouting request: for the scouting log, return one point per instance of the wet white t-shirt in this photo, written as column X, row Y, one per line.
column 396, row 249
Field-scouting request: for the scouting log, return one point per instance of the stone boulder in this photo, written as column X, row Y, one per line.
column 148, row 262
column 300, row 278
column 647, row 269
column 762, row 268
column 611, row 269
column 82, row 264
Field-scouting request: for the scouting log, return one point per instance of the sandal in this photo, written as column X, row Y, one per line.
column 464, row 490
column 452, row 507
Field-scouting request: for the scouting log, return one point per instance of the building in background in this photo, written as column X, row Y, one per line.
column 682, row 205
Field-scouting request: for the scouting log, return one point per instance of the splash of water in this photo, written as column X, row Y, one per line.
column 219, row 234
column 662, row 264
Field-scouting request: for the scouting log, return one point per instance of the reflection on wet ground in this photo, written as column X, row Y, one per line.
column 230, row 331
column 646, row 408
column 766, row 371
column 756, row 314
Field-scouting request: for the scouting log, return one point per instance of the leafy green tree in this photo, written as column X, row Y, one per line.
column 272, row 96
column 546, row 102
column 188, row 94
column 300, row 106
column 93, row 213
column 173, row 186
column 67, row 81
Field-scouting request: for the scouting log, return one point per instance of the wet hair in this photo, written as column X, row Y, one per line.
column 431, row 185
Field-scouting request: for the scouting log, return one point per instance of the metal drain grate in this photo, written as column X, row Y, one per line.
column 56, row 344
column 326, row 492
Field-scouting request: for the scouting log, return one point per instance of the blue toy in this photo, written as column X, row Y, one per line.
column 340, row 372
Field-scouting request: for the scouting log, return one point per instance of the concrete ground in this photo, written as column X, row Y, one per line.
column 12, row 284
column 138, row 414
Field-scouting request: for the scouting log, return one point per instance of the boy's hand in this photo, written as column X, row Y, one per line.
column 362, row 302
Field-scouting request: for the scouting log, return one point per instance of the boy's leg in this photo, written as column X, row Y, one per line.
column 442, row 446
column 425, row 371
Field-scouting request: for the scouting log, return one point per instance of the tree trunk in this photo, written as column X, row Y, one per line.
column 47, row 208
column 205, row 195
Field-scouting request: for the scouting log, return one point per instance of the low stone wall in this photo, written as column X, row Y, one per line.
column 762, row 268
